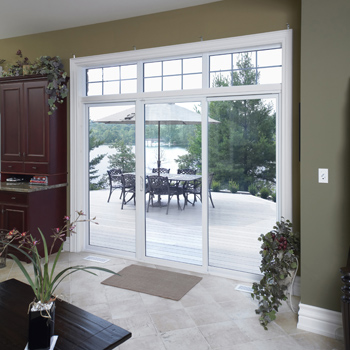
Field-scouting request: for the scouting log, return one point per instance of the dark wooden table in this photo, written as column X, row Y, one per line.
column 76, row 328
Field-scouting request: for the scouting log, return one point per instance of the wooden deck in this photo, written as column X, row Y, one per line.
column 235, row 224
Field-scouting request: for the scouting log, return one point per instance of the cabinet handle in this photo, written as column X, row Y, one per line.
column 13, row 198
column 33, row 167
column 9, row 166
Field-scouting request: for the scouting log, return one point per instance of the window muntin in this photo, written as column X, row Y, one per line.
column 111, row 80
column 265, row 66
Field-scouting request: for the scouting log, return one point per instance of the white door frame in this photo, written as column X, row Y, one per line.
column 79, row 122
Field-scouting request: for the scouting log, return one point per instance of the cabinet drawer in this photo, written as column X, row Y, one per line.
column 12, row 167
column 13, row 198
column 36, row 168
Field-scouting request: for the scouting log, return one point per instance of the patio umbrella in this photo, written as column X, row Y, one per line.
column 169, row 113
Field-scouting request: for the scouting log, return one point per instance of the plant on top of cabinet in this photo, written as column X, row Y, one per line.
column 52, row 67
column 16, row 69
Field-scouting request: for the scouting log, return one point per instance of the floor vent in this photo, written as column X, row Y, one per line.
column 96, row 259
column 245, row 289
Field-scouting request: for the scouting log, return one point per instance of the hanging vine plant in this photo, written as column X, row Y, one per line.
column 280, row 251
column 52, row 68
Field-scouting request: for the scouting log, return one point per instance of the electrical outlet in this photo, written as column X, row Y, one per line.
column 323, row 176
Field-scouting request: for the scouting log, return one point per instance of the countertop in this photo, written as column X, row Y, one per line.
column 26, row 187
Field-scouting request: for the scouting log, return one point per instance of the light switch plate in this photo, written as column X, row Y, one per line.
column 323, row 176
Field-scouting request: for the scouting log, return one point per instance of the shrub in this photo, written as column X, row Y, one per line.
column 253, row 190
column 273, row 196
column 264, row 193
column 232, row 186
column 216, row 186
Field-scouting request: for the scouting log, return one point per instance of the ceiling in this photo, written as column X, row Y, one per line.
column 23, row 17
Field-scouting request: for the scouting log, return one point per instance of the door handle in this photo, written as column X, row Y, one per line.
column 141, row 183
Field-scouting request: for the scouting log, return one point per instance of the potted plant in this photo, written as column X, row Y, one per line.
column 280, row 251
column 45, row 281
column 52, row 67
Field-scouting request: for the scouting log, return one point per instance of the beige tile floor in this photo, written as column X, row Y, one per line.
column 213, row 315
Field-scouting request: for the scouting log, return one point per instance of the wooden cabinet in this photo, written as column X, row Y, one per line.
column 32, row 142
column 13, row 210
column 38, row 207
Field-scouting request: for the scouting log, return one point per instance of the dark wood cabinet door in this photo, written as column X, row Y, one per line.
column 35, row 122
column 11, row 121
column 14, row 217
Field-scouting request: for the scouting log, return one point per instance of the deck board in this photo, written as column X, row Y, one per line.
column 235, row 224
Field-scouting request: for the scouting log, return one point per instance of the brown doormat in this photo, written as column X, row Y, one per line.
column 161, row 283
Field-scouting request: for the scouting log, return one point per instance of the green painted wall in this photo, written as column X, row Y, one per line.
column 227, row 18
column 325, row 143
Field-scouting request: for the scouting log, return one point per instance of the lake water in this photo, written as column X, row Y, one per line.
column 168, row 156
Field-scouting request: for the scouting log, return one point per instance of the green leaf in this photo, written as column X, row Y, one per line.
column 25, row 273
column 55, row 261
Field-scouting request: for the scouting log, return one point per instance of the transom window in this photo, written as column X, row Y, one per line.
column 179, row 74
column 230, row 69
column 111, row 80
column 224, row 69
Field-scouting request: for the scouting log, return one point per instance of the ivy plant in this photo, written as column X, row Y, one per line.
column 280, row 251
column 57, row 88
column 52, row 67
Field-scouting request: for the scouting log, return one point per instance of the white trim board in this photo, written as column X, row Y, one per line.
column 320, row 321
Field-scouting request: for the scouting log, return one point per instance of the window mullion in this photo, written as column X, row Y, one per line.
column 205, row 71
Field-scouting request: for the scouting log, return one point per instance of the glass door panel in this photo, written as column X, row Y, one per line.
column 112, row 153
column 242, row 181
column 173, row 170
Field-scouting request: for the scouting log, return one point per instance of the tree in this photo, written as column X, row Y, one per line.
column 93, row 143
column 124, row 157
column 242, row 146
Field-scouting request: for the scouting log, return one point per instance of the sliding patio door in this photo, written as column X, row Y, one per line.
column 173, row 142
column 235, row 151
column 111, row 152
column 242, row 179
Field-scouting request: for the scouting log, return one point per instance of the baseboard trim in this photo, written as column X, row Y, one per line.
column 320, row 321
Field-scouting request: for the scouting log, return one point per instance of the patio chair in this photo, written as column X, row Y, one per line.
column 196, row 190
column 160, row 186
column 211, row 176
column 188, row 184
column 115, row 181
column 128, row 187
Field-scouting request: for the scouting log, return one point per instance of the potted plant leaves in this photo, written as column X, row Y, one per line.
column 45, row 280
column 280, row 252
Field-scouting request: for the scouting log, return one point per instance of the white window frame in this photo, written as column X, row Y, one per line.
column 79, row 102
